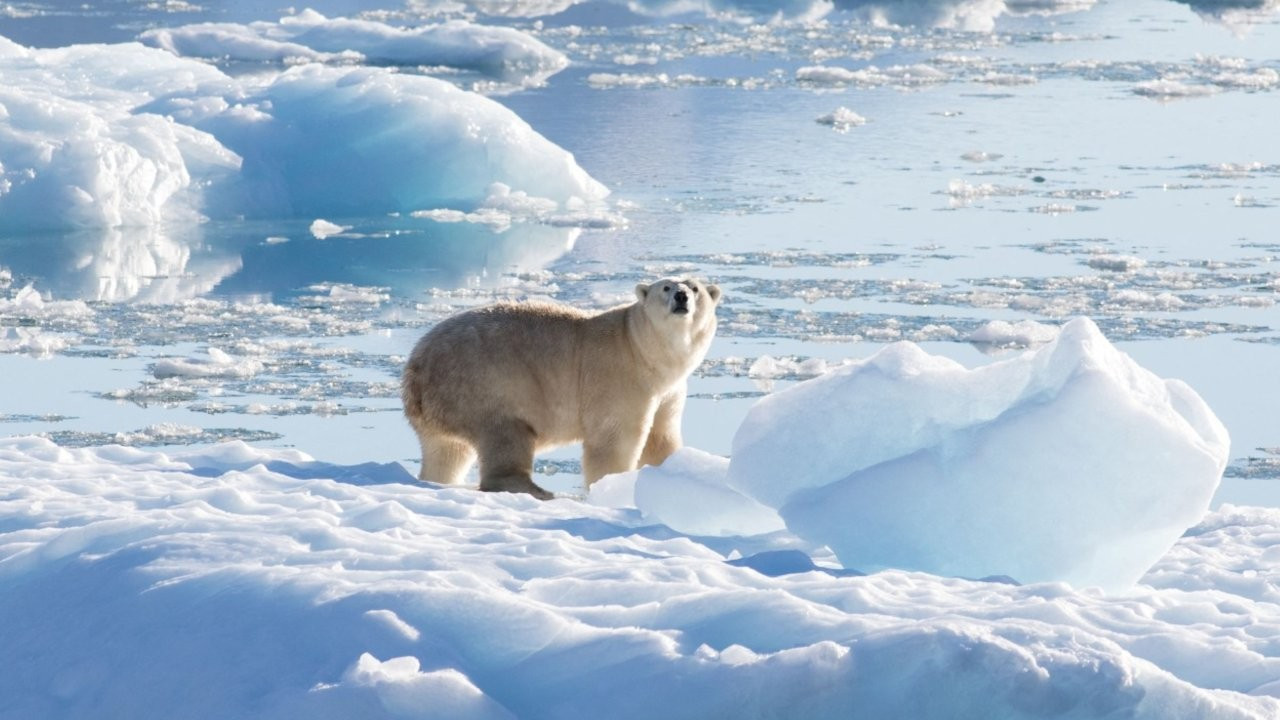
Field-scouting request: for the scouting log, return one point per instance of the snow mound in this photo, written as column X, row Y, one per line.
column 500, row 52
column 259, row 583
column 1069, row 463
column 104, row 136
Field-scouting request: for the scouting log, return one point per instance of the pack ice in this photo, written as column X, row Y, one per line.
column 1068, row 463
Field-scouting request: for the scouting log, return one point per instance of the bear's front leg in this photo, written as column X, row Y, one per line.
column 612, row 448
column 664, row 433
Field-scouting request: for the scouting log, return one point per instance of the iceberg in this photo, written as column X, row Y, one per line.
column 1068, row 463
column 504, row 53
column 107, row 136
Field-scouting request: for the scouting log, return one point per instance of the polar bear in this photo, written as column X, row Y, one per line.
column 505, row 381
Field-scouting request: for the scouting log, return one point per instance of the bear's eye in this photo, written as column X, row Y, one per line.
column 666, row 289
column 695, row 289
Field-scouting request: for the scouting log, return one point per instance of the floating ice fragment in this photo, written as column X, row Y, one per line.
column 842, row 119
column 218, row 365
column 907, row 76
column 1116, row 263
column 978, row 156
column 504, row 207
column 1067, row 463
column 1022, row 334
column 31, row 341
column 321, row 228
column 1170, row 89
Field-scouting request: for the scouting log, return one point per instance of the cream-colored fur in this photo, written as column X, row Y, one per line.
column 506, row 381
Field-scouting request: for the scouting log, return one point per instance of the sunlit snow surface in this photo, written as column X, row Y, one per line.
column 236, row 581
column 258, row 241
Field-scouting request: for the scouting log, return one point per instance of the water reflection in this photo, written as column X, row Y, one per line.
column 274, row 260
column 1238, row 15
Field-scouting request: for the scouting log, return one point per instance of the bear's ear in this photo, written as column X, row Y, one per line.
column 642, row 292
column 714, row 292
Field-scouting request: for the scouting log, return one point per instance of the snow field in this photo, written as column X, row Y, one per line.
column 234, row 582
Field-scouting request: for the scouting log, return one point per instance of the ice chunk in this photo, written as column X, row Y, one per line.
column 842, row 119
column 1067, row 463
column 218, row 365
column 1002, row 334
column 321, row 228
column 687, row 493
column 502, row 52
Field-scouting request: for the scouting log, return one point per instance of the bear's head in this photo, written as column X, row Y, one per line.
column 686, row 301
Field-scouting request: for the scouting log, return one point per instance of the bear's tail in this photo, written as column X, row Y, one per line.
column 411, row 397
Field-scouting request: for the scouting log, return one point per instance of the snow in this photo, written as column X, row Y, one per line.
column 679, row 492
column 1070, row 463
column 501, row 52
column 232, row 581
column 104, row 136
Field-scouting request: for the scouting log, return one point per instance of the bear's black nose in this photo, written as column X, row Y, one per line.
column 682, row 297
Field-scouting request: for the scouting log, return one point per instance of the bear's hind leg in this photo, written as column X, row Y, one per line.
column 445, row 459
column 506, row 460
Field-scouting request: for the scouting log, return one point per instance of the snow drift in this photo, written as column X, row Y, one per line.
column 1067, row 463
column 99, row 136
